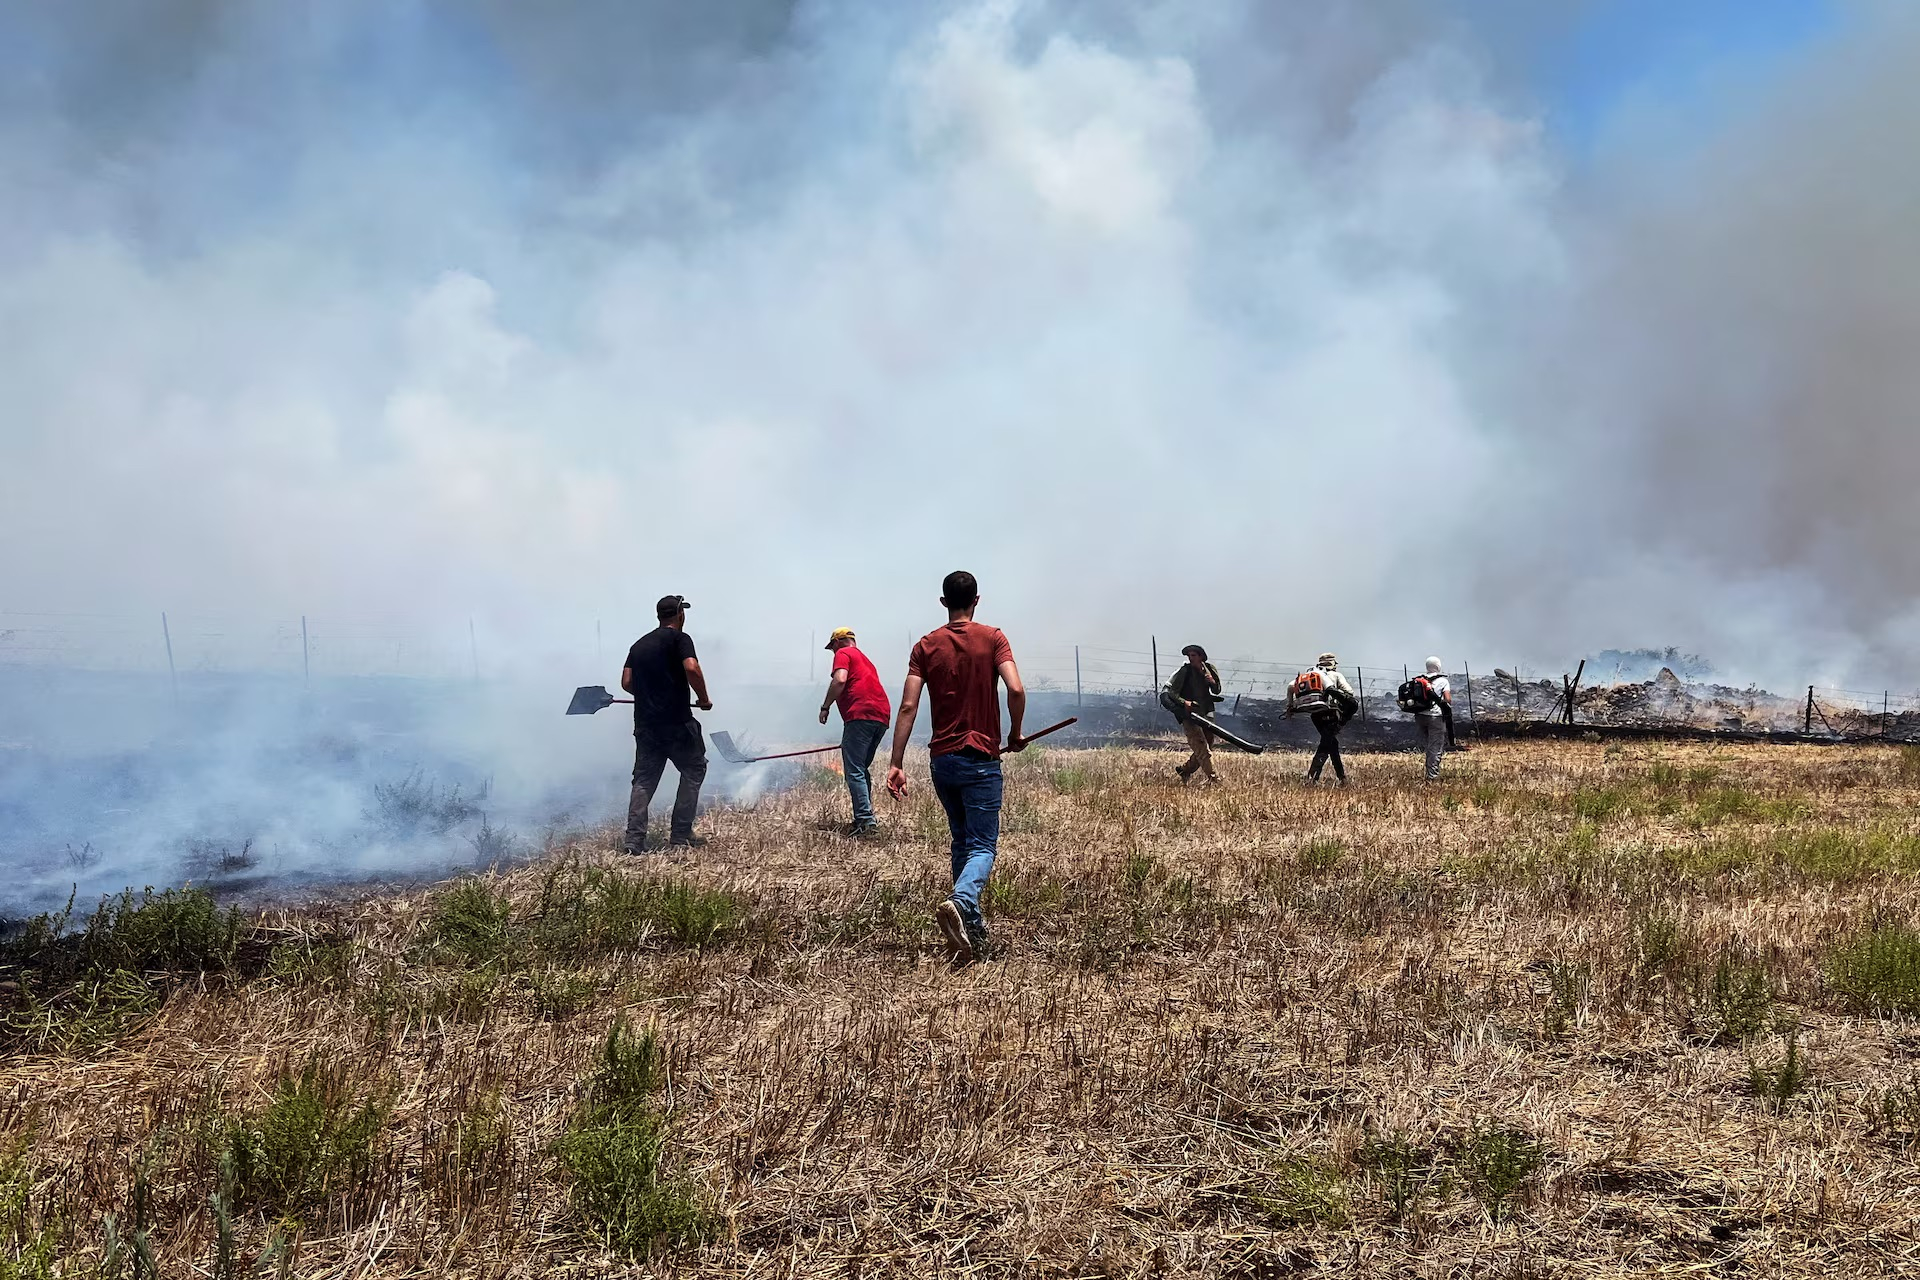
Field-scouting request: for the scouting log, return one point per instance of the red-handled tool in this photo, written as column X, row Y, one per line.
column 1038, row 734
column 723, row 743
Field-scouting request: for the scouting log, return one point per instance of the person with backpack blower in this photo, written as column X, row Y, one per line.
column 1194, row 687
column 1430, row 700
column 1324, row 694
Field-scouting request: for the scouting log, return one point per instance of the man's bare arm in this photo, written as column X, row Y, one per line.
column 902, row 731
column 834, row 688
column 1016, row 704
column 698, row 679
column 626, row 679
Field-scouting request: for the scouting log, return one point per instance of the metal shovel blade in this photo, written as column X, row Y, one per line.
column 723, row 743
column 730, row 751
column 589, row 698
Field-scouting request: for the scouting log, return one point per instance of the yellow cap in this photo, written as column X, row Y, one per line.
column 839, row 634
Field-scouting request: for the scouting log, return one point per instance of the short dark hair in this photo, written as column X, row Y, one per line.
column 960, row 590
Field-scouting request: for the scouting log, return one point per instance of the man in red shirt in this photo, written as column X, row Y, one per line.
column 959, row 666
column 864, row 712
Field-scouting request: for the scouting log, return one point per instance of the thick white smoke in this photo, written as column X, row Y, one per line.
column 1128, row 314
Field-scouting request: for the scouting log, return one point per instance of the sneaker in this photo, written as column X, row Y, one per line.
column 635, row 850
column 687, row 842
column 982, row 945
column 959, row 945
column 861, row 830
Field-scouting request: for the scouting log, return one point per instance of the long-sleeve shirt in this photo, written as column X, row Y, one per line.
column 1198, row 685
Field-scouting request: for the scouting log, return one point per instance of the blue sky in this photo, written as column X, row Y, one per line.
column 1622, row 54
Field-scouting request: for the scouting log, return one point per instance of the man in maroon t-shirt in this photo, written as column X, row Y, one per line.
column 958, row 666
column 864, row 711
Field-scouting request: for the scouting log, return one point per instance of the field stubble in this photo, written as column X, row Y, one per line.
column 1577, row 1010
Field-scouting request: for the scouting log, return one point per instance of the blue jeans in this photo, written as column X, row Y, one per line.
column 969, row 791
column 859, row 739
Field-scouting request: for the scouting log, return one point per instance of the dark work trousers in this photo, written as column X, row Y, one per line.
column 1328, row 723
column 653, row 747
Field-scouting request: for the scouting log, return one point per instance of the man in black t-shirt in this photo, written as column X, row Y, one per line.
column 662, row 673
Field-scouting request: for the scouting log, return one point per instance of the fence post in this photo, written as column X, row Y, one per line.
column 173, row 676
column 306, row 662
column 1886, row 701
column 1808, row 726
column 1156, row 663
column 1519, row 697
column 1076, row 675
column 1360, row 682
column 1476, row 720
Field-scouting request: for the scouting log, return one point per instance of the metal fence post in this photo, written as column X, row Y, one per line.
column 1807, row 727
column 173, row 676
column 1155, row 641
column 1076, row 675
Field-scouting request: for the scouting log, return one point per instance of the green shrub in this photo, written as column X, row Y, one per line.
column 177, row 930
column 316, row 1139
column 1071, row 780
column 1567, row 986
column 1598, row 804
column 1405, row 1171
column 472, row 923
column 1774, row 1083
column 1738, row 997
column 80, row 991
column 27, row 1241
column 1661, row 943
column 614, row 1153
column 591, row 912
column 1878, row 971
column 1894, row 1113
column 1320, row 855
column 83, row 1017
column 1302, row 1192
column 694, row 916
column 1497, row 1161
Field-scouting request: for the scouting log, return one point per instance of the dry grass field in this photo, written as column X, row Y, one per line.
column 1578, row 1010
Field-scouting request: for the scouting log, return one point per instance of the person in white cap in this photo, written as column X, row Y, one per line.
column 1430, row 700
column 864, row 713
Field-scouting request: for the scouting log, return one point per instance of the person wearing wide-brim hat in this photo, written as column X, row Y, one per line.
column 1194, row 688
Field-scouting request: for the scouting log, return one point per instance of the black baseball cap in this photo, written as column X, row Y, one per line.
column 670, row 605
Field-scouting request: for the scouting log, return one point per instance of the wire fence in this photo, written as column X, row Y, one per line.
column 185, row 644
column 192, row 643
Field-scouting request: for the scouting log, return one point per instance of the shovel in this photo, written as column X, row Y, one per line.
column 724, row 744
column 589, row 698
